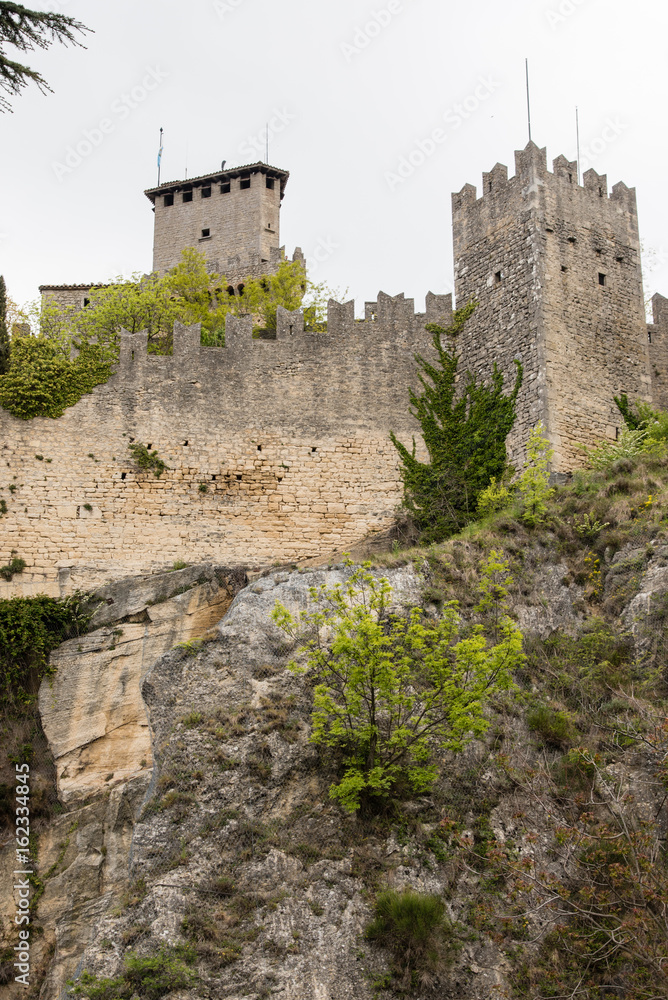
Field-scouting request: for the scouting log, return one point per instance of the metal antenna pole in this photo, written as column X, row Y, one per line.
column 577, row 133
column 528, row 99
column 159, row 156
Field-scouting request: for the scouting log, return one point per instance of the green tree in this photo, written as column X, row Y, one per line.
column 390, row 689
column 27, row 30
column 4, row 332
column 465, row 435
column 533, row 485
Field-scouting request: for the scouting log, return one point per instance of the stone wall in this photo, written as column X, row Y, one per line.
column 277, row 451
column 658, row 351
column 239, row 222
column 555, row 268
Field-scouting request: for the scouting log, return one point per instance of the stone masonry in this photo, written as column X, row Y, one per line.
column 277, row 451
column 232, row 217
column 555, row 269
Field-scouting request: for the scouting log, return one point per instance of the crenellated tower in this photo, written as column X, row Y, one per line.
column 554, row 266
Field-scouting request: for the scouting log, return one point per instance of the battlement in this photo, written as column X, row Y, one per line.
column 390, row 322
column 531, row 174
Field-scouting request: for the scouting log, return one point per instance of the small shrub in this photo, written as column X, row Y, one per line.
column 493, row 499
column 179, row 564
column 3, row 507
column 533, row 484
column 412, row 926
column 203, row 488
column 147, row 460
column 87, row 507
column 149, row 977
column 554, row 728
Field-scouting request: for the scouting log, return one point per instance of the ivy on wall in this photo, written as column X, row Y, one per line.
column 43, row 382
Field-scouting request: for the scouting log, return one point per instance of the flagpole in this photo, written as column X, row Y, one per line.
column 159, row 156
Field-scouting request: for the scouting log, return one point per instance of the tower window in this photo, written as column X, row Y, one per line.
column 563, row 268
column 86, row 302
column 270, row 183
column 240, row 289
column 649, row 336
column 230, row 290
column 601, row 278
column 225, row 187
column 187, row 195
column 245, row 182
column 206, row 192
column 497, row 278
column 168, row 200
column 206, row 233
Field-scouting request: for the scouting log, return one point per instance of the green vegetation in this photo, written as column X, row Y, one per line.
column 14, row 566
column 30, row 627
column 413, row 927
column 147, row 461
column 533, row 485
column 390, row 688
column 148, row 977
column 25, row 30
column 464, row 430
column 4, row 330
column 42, row 379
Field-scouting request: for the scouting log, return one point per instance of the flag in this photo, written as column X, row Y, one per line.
column 160, row 150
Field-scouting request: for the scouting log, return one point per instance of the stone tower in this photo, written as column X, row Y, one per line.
column 231, row 216
column 555, row 269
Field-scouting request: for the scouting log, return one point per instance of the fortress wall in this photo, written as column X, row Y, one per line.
column 658, row 351
column 290, row 438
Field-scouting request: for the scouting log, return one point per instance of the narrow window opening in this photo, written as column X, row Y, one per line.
column 187, row 196
column 133, row 355
column 563, row 268
column 270, row 183
column 313, row 451
column 149, row 446
column 497, row 278
column 600, row 192
column 213, row 478
column 123, row 475
column 230, row 290
column 205, row 234
column 616, row 433
column 185, row 444
column 238, row 479
column 86, row 302
column 169, row 200
column 280, row 479
column 241, row 289
column 601, row 278
column 245, row 182
column 489, row 186
column 259, row 447
column 206, row 192
column 225, row 187
column 649, row 336
column 570, row 178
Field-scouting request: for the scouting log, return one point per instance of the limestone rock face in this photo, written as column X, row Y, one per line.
column 92, row 710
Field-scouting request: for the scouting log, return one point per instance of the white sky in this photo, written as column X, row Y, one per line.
column 347, row 101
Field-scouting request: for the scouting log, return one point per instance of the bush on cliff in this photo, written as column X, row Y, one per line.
column 389, row 688
column 465, row 435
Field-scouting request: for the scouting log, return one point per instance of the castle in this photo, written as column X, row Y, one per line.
column 279, row 450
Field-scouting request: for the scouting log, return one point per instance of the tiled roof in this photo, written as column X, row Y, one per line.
column 219, row 175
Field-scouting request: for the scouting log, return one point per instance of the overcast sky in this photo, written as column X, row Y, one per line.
column 352, row 90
